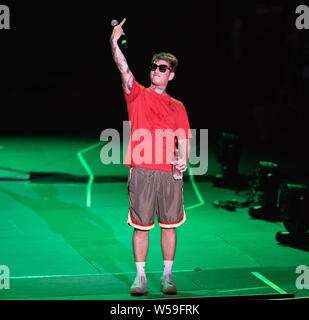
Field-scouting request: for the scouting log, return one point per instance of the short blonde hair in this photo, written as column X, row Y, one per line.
column 170, row 58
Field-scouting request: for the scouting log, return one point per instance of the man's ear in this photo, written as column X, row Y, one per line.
column 171, row 76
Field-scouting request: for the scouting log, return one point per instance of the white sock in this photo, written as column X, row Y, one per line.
column 140, row 266
column 168, row 267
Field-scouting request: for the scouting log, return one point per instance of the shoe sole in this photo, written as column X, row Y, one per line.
column 169, row 292
column 135, row 294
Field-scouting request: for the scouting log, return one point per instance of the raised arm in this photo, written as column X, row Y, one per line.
column 119, row 58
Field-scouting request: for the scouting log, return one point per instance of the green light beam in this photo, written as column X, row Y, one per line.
column 268, row 282
column 90, row 274
column 86, row 167
column 196, row 190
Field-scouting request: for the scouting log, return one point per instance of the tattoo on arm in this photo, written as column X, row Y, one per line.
column 119, row 58
column 130, row 83
column 122, row 65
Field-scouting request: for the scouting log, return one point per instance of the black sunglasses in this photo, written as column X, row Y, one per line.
column 162, row 67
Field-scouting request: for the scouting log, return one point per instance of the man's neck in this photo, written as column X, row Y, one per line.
column 158, row 89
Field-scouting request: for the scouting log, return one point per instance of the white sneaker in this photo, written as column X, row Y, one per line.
column 139, row 286
column 168, row 285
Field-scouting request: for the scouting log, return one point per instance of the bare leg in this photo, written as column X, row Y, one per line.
column 168, row 243
column 140, row 248
column 140, row 245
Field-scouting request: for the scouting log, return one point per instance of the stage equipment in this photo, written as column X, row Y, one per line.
column 294, row 210
column 228, row 154
column 266, row 191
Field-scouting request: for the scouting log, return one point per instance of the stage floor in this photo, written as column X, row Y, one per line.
column 59, row 245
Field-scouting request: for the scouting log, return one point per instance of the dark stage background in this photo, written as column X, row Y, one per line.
column 241, row 66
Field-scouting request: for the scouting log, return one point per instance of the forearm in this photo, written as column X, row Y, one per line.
column 184, row 149
column 121, row 62
column 119, row 57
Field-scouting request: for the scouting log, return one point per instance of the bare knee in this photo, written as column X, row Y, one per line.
column 168, row 230
column 141, row 233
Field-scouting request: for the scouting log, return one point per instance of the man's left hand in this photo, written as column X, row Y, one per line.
column 180, row 164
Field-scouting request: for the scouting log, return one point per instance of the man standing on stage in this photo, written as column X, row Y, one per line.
column 152, row 188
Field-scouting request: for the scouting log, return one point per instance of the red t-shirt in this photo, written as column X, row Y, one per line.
column 156, row 122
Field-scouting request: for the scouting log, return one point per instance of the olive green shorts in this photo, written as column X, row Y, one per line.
column 154, row 193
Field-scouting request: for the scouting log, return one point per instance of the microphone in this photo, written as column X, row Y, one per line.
column 122, row 39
